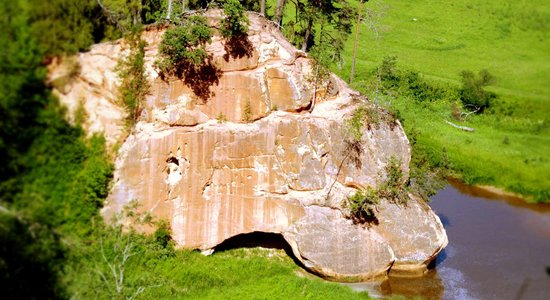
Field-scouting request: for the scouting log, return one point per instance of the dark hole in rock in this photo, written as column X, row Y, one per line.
column 259, row 239
column 173, row 160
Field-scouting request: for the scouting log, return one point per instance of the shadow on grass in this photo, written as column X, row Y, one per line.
column 260, row 239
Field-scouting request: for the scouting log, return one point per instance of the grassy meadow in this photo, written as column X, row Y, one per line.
column 511, row 144
column 245, row 273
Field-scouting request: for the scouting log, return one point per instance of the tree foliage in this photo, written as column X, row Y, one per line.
column 30, row 256
column 321, row 21
column 362, row 204
column 134, row 84
column 64, row 26
column 473, row 94
column 235, row 21
column 184, row 45
column 23, row 94
column 396, row 81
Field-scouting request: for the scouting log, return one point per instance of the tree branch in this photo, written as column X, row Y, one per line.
column 469, row 129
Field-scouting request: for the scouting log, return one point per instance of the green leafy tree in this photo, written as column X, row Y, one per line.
column 394, row 188
column 235, row 22
column 184, row 45
column 63, row 26
column 473, row 94
column 182, row 53
column 279, row 11
column 124, row 14
column 134, row 84
column 23, row 94
column 331, row 18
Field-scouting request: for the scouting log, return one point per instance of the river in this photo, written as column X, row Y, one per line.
column 499, row 248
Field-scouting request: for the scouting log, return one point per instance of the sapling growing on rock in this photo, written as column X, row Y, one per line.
column 362, row 204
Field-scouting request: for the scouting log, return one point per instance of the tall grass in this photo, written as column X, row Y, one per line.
column 441, row 39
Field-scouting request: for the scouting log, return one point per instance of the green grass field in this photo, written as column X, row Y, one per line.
column 511, row 144
column 245, row 273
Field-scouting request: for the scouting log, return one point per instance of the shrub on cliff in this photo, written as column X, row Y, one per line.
column 236, row 21
column 362, row 204
column 184, row 45
column 134, row 85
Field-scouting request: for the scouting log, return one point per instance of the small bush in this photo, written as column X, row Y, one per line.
column 409, row 83
column 362, row 204
column 394, row 187
column 184, row 46
column 134, row 85
column 236, row 21
column 473, row 94
column 163, row 235
column 247, row 111
column 421, row 90
column 388, row 73
column 80, row 113
column 221, row 118
column 368, row 117
column 354, row 125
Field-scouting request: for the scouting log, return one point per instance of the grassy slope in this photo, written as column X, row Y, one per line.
column 440, row 39
column 246, row 273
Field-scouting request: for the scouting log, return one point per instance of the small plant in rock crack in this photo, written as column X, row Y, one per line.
column 362, row 204
column 221, row 118
column 134, row 85
column 394, row 188
column 247, row 111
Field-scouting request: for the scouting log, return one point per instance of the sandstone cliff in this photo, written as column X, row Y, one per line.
column 284, row 171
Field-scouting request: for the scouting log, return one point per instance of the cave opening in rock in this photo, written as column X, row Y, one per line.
column 256, row 239
column 173, row 160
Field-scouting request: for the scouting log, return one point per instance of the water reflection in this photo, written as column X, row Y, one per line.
column 499, row 248
column 485, row 194
column 430, row 286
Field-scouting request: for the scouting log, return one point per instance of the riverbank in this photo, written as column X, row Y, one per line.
column 497, row 250
column 509, row 145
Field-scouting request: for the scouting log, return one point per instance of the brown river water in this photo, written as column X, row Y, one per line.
column 499, row 248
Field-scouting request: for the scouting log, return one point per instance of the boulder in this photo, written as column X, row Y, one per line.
column 256, row 155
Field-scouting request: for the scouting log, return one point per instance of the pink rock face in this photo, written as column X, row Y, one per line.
column 259, row 155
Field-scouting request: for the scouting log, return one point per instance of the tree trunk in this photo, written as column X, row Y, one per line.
column 469, row 129
column 262, row 8
column 317, row 73
column 183, row 8
column 279, row 11
column 307, row 35
column 355, row 42
column 169, row 13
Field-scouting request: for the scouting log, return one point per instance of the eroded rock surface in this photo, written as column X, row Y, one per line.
column 214, row 170
column 330, row 245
